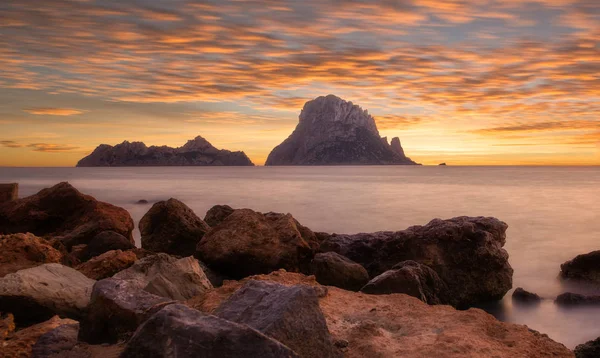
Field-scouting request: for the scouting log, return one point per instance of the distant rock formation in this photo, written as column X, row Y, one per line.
column 196, row 152
column 332, row 131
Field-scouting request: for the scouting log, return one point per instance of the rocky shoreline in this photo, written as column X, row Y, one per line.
column 246, row 283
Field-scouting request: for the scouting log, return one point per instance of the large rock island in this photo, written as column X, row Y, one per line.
column 196, row 152
column 332, row 131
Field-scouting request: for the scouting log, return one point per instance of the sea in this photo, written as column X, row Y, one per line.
column 553, row 213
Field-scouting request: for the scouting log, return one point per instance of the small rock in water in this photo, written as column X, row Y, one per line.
column 574, row 299
column 584, row 267
column 522, row 296
column 142, row 201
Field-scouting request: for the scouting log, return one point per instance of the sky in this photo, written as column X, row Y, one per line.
column 479, row 82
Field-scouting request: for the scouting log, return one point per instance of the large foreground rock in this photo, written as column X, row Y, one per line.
column 107, row 264
column 180, row 331
column 23, row 342
column 38, row 293
column 21, row 251
column 116, row 309
column 64, row 213
column 333, row 269
column 57, row 341
column 167, row 276
column 413, row 279
column 248, row 242
column 398, row 325
column 590, row 349
column 583, row 267
column 465, row 252
column 172, row 227
column 291, row 315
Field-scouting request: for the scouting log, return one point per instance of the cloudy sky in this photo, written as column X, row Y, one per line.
column 459, row 81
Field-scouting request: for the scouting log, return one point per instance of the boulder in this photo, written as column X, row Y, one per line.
column 413, row 279
column 9, row 192
column 397, row 325
column 167, row 276
column 583, row 267
column 291, row 315
column 59, row 340
column 522, row 296
column 21, row 251
column 465, row 252
column 189, row 333
column 21, row 343
column 107, row 264
column 575, row 299
column 171, row 227
column 590, row 349
column 333, row 269
column 248, row 242
column 38, row 293
column 104, row 242
column 116, row 309
column 64, row 213
column 216, row 214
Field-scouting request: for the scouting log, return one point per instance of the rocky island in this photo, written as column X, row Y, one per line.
column 196, row 152
column 332, row 131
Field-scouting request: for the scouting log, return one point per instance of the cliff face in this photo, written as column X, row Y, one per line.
column 196, row 152
column 332, row 131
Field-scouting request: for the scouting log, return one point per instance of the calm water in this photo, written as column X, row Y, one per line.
column 552, row 212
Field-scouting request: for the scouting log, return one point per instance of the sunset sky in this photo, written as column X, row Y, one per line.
column 472, row 82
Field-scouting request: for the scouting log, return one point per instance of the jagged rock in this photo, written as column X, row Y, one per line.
column 104, row 242
column 332, row 131
column 590, row 349
column 196, row 152
column 189, row 333
column 248, row 242
column 167, row 276
column 216, row 214
column 9, row 192
column 520, row 295
column 465, row 252
column 291, row 315
column 172, row 227
column 38, row 293
column 398, row 325
column 59, row 340
column 333, row 269
column 583, row 267
column 21, row 251
column 107, row 264
column 575, row 299
column 20, row 343
column 62, row 212
column 413, row 279
column 116, row 309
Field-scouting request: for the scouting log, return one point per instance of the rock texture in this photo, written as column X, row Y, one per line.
column 172, row 227
column 21, row 251
column 413, row 279
column 104, row 242
column 583, row 267
column 21, row 343
column 107, row 264
column 522, row 296
column 196, row 152
column 291, row 315
column 575, row 299
column 116, row 309
column 398, row 325
column 465, row 252
column 38, row 293
column 590, row 349
column 332, row 131
column 216, row 214
column 248, row 242
column 9, row 192
column 180, row 331
column 167, row 276
column 333, row 269
column 59, row 340
column 63, row 213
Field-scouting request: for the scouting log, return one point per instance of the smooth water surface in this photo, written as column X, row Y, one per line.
column 552, row 212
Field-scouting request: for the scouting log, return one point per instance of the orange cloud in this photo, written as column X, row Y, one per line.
column 49, row 111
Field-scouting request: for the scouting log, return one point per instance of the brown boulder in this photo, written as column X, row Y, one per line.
column 172, row 227
column 107, row 264
column 584, row 267
column 21, row 251
column 20, row 343
column 248, row 242
column 589, row 349
column 64, row 213
column 526, row 297
column 216, row 214
column 333, row 269
column 576, row 299
column 465, row 252
column 104, row 242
